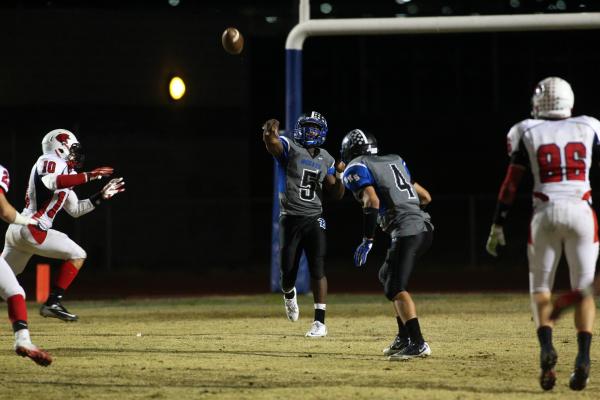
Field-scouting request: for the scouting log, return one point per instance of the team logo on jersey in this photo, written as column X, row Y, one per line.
column 322, row 223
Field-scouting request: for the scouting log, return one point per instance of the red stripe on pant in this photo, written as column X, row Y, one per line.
column 595, row 226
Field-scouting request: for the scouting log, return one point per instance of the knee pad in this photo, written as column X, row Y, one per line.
column 317, row 270
column 79, row 254
column 12, row 291
column 392, row 285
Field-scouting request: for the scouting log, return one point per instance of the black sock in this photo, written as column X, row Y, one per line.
column 320, row 315
column 18, row 325
column 584, row 341
column 55, row 295
column 544, row 334
column 402, row 331
column 414, row 331
column 290, row 295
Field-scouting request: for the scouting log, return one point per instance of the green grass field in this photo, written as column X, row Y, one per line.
column 483, row 346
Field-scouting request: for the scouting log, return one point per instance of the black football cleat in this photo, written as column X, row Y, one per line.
column 396, row 346
column 57, row 310
column 548, row 358
column 413, row 350
column 580, row 375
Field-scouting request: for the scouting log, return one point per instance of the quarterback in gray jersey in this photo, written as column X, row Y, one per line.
column 383, row 185
column 305, row 169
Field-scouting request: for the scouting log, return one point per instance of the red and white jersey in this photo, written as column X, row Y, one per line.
column 559, row 153
column 4, row 179
column 43, row 203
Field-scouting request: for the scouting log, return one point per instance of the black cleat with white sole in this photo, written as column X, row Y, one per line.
column 57, row 310
column 548, row 358
column 413, row 350
column 399, row 344
column 580, row 375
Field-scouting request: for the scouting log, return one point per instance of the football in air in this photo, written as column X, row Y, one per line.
column 233, row 41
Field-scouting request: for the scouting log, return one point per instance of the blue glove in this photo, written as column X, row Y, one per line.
column 362, row 251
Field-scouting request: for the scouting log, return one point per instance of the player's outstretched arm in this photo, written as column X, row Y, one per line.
column 370, row 206
column 113, row 187
column 506, row 198
column 334, row 183
column 10, row 215
column 271, row 138
column 54, row 182
column 424, row 196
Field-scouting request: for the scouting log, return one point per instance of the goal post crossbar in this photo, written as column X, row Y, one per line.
column 389, row 26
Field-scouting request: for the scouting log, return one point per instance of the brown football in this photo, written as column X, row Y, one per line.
column 233, row 41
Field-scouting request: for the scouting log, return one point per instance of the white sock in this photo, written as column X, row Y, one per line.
column 22, row 335
column 320, row 306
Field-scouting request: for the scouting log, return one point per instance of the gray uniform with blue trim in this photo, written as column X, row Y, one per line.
column 399, row 210
column 302, row 176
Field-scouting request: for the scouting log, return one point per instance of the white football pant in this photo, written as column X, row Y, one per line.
column 565, row 224
column 19, row 246
column 9, row 286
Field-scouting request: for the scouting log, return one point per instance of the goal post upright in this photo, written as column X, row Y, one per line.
column 391, row 26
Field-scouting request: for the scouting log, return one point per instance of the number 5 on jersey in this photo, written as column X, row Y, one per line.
column 308, row 185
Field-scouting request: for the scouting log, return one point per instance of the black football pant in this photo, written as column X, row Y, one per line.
column 400, row 261
column 298, row 233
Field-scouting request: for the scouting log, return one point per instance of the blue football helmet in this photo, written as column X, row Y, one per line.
column 310, row 130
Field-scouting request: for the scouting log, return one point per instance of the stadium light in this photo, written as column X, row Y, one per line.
column 326, row 8
column 176, row 88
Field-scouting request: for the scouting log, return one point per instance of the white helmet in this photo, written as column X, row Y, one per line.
column 63, row 143
column 552, row 98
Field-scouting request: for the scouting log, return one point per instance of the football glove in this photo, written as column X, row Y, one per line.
column 98, row 173
column 362, row 251
column 114, row 186
column 495, row 239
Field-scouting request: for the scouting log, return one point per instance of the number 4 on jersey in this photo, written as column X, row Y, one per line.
column 401, row 182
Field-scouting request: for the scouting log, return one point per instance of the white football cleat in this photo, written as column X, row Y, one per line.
column 317, row 330
column 291, row 307
column 24, row 348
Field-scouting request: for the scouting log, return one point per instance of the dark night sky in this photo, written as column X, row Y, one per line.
column 198, row 170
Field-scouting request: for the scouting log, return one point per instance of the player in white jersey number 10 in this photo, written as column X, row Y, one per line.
column 557, row 148
column 50, row 189
column 10, row 290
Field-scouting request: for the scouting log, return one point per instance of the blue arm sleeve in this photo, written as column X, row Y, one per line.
column 357, row 176
column 331, row 170
column 407, row 171
column 286, row 149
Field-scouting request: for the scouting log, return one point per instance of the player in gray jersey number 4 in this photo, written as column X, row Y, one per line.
column 304, row 169
column 388, row 195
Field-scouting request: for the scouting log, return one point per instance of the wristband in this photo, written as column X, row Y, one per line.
column 369, row 222
column 22, row 220
column 96, row 198
column 501, row 213
column 339, row 175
